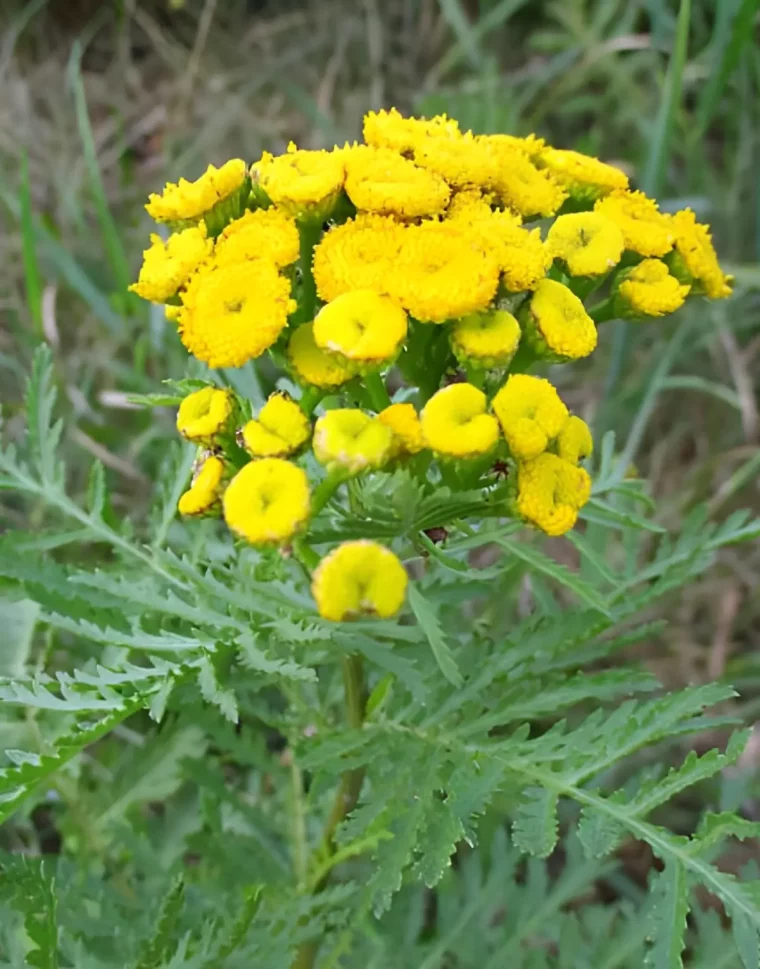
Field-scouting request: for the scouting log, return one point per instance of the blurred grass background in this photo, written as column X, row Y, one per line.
column 101, row 102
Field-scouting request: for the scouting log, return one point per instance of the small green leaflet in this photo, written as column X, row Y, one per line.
column 428, row 620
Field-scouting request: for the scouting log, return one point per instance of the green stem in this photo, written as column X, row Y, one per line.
column 307, row 302
column 309, row 399
column 604, row 311
column 325, row 490
column 475, row 375
column 377, row 391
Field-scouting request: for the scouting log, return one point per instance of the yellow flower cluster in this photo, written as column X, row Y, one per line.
column 412, row 252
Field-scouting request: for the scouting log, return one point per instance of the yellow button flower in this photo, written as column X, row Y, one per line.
column 191, row 200
column 645, row 229
column 204, row 414
column 168, row 265
column 304, row 183
column 588, row 243
column 550, row 492
column 527, row 189
column 362, row 326
column 462, row 160
column 695, row 259
column 405, row 424
column 389, row 129
column 351, row 440
column 473, row 205
column 531, row 414
column 171, row 313
column 486, row 339
column 574, row 443
column 455, row 423
column 505, row 145
column 649, row 290
column 585, row 177
column 203, row 495
column 359, row 579
column 360, row 254
column 264, row 233
column 381, row 181
column 559, row 326
column 280, row 429
column 234, row 313
column 313, row 365
column 267, row 501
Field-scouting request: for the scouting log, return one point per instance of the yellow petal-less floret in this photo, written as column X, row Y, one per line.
column 649, row 290
column 168, row 265
column 551, row 492
column 559, row 326
column 187, row 201
column 203, row 494
column 404, row 422
column 526, row 189
column 588, row 243
column 574, row 442
column 267, row 501
column 505, row 145
column 360, row 254
column 463, row 161
column 232, row 314
column 313, row 365
column 455, row 422
column 352, row 441
column 204, row 414
column 645, row 229
column 302, row 182
column 487, row 339
column 531, row 414
column 381, row 181
column 390, row 129
column 363, row 326
column 262, row 234
column 583, row 176
column 359, row 579
column 280, row 430
column 695, row 258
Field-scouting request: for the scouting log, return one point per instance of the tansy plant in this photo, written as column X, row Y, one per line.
column 377, row 446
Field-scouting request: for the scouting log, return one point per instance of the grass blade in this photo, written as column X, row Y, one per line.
column 32, row 275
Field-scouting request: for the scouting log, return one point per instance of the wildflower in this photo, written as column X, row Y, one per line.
column 649, row 290
column 313, row 365
column 389, row 129
column 235, row 312
column 381, row 181
column 645, row 229
column 487, row 339
column 405, row 424
column 262, row 234
column 585, row 177
column 190, row 201
column 574, row 442
column 531, row 414
column 267, row 501
column 557, row 323
column 359, row 578
column 171, row 313
column 440, row 276
column 588, row 243
column 203, row 495
column 280, row 429
column 471, row 205
column 168, row 265
column 550, row 492
column 205, row 414
column 304, row 183
column 694, row 260
column 506, row 145
column 463, row 161
column 527, row 189
column 351, row 440
column 455, row 423
column 362, row 326
column 360, row 254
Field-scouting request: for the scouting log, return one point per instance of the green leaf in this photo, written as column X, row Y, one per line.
column 32, row 275
column 162, row 944
column 213, row 692
column 428, row 620
column 668, row 918
column 33, row 893
column 17, row 621
column 535, row 829
column 598, row 833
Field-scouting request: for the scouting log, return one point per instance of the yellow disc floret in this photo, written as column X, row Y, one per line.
column 312, row 365
column 262, row 234
column 204, row 414
column 559, row 326
column 588, row 243
column 280, row 429
column 463, row 161
column 381, row 181
column 351, row 440
column 359, row 579
column 304, row 183
column 531, row 414
column 362, row 326
column 360, row 254
column 550, row 492
column 267, row 501
column 191, row 200
column 696, row 260
column 168, row 265
column 574, row 443
column 645, row 229
column 405, row 423
column 649, row 290
column 455, row 423
column 487, row 339
column 527, row 189
column 203, row 495
column 390, row 129
column 585, row 177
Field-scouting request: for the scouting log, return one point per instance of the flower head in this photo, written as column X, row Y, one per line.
column 506, row 145
column 360, row 254
column 362, row 326
column 487, row 339
column 588, row 243
column 262, row 234
column 359, row 578
column 351, row 440
column 558, row 324
column 462, row 160
column 380, row 180
column 527, row 189
column 304, row 183
column 585, row 177
column 550, row 492
column 235, row 312
column 574, row 442
column 203, row 494
column 267, row 501
column 696, row 261
column 313, row 365
column 188, row 201
column 204, row 414
column 649, row 290
column 389, row 129
column 455, row 423
column 405, row 424
column 280, row 429
column 531, row 414
column 645, row 229
column 168, row 265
